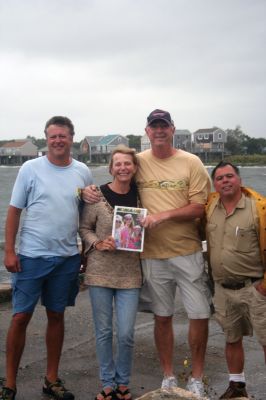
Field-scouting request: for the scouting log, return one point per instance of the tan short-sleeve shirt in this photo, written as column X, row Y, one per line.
column 233, row 242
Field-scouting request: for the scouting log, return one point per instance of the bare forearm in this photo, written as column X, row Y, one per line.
column 187, row 213
column 11, row 229
column 11, row 260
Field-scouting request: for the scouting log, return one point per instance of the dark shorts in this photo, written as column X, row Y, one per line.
column 53, row 279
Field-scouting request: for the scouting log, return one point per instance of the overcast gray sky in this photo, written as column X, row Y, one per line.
column 107, row 63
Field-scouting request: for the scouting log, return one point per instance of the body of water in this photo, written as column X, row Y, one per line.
column 254, row 177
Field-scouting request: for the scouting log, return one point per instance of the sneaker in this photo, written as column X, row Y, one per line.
column 57, row 390
column 7, row 393
column 169, row 382
column 196, row 387
column 235, row 389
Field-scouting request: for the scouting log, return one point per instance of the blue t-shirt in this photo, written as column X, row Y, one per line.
column 49, row 194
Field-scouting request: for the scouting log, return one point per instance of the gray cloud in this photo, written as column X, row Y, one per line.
column 107, row 63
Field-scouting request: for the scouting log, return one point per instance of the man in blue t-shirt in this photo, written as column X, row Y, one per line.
column 47, row 263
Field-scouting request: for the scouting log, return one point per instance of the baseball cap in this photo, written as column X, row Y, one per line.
column 162, row 115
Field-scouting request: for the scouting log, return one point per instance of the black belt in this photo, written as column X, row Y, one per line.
column 238, row 285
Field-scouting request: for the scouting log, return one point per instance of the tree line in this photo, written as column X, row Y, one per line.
column 240, row 143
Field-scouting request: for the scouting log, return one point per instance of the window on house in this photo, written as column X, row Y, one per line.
column 199, row 137
column 206, row 136
column 220, row 135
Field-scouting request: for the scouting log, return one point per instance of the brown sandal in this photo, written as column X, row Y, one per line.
column 106, row 396
column 123, row 394
column 7, row 393
column 57, row 390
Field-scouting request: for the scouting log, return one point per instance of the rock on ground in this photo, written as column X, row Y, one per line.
column 174, row 394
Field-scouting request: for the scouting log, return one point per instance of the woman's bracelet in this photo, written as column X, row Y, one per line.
column 94, row 244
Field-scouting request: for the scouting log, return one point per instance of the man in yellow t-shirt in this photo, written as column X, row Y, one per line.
column 173, row 185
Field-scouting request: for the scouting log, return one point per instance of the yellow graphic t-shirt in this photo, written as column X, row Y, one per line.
column 166, row 184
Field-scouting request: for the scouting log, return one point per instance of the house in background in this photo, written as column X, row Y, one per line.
column 145, row 142
column 88, row 146
column 43, row 151
column 182, row 139
column 98, row 149
column 209, row 143
column 16, row 152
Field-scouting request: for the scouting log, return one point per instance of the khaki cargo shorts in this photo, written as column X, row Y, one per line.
column 240, row 311
column 161, row 278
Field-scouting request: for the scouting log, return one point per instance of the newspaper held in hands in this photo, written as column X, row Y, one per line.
column 127, row 230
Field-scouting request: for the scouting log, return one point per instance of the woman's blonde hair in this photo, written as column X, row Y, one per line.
column 124, row 150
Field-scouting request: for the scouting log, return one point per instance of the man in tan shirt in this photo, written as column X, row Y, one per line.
column 237, row 269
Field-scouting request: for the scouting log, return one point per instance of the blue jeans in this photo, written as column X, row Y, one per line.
column 116, row 371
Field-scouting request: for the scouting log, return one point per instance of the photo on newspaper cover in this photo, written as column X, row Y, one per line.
column 127, row 231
